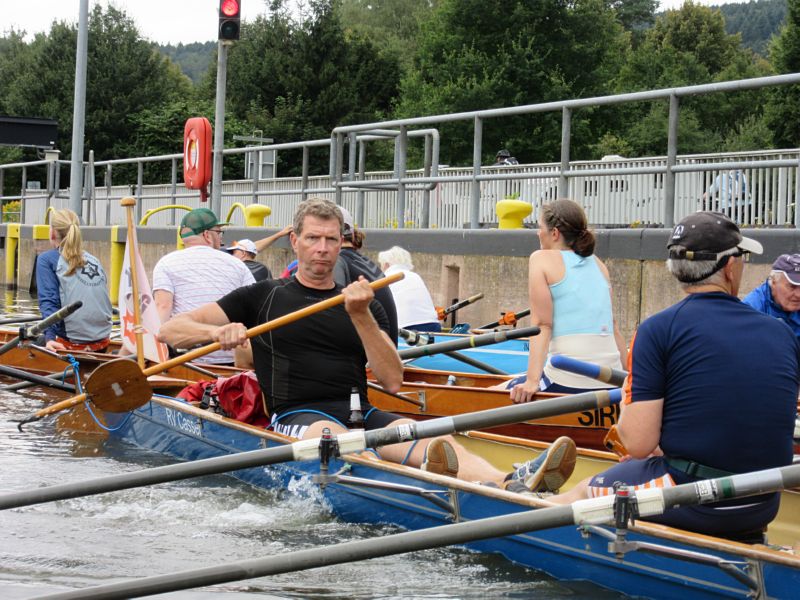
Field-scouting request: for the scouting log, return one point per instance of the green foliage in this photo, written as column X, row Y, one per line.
column 516, row 53
column 783, row 109
column 193, row 59
column 11, row 211
column 756, row 20
column 291, row 79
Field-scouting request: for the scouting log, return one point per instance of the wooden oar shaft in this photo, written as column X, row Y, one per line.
column 268, row 326
column 462, row 303
column 592, row 511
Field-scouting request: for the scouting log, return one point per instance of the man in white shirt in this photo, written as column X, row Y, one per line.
column 186, row 279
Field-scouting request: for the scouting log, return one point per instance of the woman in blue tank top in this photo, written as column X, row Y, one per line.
column 570, row 298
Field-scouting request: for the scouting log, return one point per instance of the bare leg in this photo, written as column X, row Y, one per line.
column 579, row 492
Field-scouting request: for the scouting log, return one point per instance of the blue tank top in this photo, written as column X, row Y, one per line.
column 582, row 299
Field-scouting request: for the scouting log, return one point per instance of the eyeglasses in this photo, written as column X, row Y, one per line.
column 744, row 254
column 217, row 230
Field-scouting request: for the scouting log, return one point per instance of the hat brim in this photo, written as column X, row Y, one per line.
column 750, row 245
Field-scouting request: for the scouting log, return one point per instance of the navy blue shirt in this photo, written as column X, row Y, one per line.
column 729, row 378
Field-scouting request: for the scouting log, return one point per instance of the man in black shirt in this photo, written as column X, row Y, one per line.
column 245, row 251
column 308, row 368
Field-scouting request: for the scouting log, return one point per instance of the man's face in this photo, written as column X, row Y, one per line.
column 785, row 293
column 317, row 248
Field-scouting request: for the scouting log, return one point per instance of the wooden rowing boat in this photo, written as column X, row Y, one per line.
column 399, row 495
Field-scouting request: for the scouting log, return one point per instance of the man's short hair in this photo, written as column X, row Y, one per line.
column 319, row 208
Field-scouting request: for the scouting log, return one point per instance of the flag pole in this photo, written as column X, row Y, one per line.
column 129, row 203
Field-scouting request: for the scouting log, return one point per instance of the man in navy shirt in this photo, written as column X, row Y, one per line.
column 779, row 295
column 712, row 388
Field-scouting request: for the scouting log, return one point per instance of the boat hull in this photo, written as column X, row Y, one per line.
column 186, row 433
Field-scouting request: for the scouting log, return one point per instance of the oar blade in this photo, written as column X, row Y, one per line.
column 118, row 386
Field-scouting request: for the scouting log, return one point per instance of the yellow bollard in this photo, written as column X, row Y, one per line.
column 254, row 214
column 117, row 258
column 12, row 249
column 152, row 211
column 511, row 213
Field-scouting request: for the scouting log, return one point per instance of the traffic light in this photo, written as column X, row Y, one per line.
column 230, row 16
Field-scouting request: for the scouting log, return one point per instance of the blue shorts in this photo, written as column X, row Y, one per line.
column 727, row 518
column 295, row 422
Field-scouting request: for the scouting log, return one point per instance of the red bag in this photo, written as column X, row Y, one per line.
column 239, row 397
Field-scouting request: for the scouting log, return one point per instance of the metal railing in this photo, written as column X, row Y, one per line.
column 615, row 191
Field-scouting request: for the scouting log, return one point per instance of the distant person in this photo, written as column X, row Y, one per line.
column 727, row 192
column 67, row 274
column 351, row 264
column 504, row 158
column 779, row 295
column 245, row 251
column 712, row 389
column 415, row 308
column 570, row 300
column 186, row 279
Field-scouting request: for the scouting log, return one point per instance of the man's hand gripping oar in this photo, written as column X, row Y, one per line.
column 121, row 386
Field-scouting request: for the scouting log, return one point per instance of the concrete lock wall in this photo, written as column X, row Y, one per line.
column 461, row 263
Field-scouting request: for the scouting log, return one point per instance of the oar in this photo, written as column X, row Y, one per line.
column 408, row 399
column 509, row 318
column 442, row 313
column 475, row 363
column 594, row 511
column 17, row 320
column 115, row 386
column 351, row 441
column 35, row 330
column 472, row 341
column 34, row 379
column 615, row 377
column 14, row 387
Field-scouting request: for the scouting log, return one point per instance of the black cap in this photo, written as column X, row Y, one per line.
column 704, row 235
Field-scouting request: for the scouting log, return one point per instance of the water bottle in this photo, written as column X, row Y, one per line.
column 451, row 380
column 356, row 418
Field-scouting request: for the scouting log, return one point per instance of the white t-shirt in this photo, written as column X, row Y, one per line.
column 412, row 299
column 199, row 275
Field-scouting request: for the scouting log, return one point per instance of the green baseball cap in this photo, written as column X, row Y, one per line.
column 198, row 221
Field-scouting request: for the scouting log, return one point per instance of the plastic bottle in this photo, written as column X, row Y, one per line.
column 356, row 418
column 451, row 380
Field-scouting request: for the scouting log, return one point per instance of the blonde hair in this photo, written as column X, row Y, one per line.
column 66, row 226
column 396, row 256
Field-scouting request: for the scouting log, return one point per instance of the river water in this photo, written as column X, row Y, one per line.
column 173, row 527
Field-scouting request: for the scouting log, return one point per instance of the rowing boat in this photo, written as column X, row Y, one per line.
column 361, row 488
column 509, row 356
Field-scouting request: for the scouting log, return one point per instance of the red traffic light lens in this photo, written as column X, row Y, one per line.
column 229, row 8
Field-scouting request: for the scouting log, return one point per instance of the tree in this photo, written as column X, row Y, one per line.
column 783, row 108
column 125, row 75
column 313, row 73
column 515, row 53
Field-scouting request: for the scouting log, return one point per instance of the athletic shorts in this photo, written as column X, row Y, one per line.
column 729, row 518
column 295, row 422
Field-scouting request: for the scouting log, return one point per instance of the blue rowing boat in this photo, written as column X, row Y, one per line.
column 363, row 489
column 510, row 356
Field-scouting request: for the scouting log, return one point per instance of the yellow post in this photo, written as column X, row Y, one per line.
column 117, row 258
column 12, row 248
column 511, row 213
column 153, row 211
column 254, row 215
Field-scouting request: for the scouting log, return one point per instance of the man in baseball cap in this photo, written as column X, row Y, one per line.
column 712, row 387
column 779, row 295
column 200, row 220
column 245, row 250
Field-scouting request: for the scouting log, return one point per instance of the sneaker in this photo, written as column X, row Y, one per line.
column 440, row 458
column 548, row 471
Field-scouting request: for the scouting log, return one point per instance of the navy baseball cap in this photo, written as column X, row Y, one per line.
column 789, row 265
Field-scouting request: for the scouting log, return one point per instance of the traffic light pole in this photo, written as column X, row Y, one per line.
column 219, row 127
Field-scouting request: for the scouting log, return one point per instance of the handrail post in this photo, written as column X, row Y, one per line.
column 566, row 137
column 139, row 188
column 91, row 205
column 362, row 168
column 173, row 190
column 426, row 192
column 475, row 204
column 402, row 161
column 304, row 177
column 108, row 195
column 672, row 154
column 796, row 196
